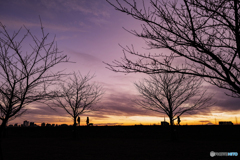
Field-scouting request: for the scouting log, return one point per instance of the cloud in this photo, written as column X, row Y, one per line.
column 59, row 15
column 108, row 124
column 99, row 21
column 40, row 109
column 117, row 104
column 86, row 57
column 204, row 121
column 224, row 102
column 17, row 23
column 96, row 114
column 39, row 113
column 95, row 8
column 122, row 104
column 84, row 60
column 119, row 101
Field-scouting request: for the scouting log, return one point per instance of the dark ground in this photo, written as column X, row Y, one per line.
column 120, row 143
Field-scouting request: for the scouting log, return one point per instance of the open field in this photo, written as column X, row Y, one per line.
column 120, row 143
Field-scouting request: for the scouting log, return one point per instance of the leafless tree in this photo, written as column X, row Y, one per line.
column 25, row 76
column 77, row 95
column 204, row 35
column 172, row 94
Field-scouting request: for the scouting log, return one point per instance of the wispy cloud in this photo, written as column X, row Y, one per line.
column 99, row 21
column 95, row 8
column 122, row 104
column 17, row 23
column 86, row 57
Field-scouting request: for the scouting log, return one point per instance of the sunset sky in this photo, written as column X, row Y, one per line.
column 90, row 32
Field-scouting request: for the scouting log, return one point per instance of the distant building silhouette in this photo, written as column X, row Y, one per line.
column 32, row 124
column 43, row 125
column 225, row 123
column 48, row 125
column 87, row 121
column 25, row 123
column 164, row 123
column 15, row 125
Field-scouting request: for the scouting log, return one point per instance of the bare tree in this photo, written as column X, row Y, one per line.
column 204, row 35
column 25, row 76
column 172, row 94
column 77, row 95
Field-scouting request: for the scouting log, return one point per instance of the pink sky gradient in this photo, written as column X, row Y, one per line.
column 89, row 32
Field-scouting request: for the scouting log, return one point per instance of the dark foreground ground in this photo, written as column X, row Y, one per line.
column 120, row 143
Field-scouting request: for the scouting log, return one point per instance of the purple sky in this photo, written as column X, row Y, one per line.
column 89, row 32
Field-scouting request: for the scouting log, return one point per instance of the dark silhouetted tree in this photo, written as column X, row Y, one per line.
column 77, row 95
column 172, row 94
column 25, row 76
column 203, row 35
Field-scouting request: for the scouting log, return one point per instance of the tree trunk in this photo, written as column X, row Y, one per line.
column 172, row 129
column 1, row 137
column 75, row 121
column 3, row 127
column 2, row 134
column 74, row 126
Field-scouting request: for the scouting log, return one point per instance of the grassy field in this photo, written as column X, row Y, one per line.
column 120, row 143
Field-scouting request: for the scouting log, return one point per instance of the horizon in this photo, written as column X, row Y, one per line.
column 90, row 33
column 118, row 124
column 112, row 125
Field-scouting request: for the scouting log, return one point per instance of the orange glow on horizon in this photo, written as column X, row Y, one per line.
column 148, row 120
column 110, row 120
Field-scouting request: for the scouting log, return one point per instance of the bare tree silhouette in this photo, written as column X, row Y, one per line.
column 205, row 34
column 25, row 76
column 78, row 95
column 172, row 94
